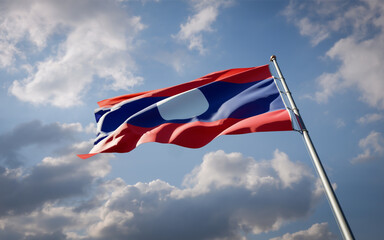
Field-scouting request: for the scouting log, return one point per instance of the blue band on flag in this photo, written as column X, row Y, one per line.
column 114, row 118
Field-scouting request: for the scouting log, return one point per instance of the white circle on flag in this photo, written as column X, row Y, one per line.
column 183, row 105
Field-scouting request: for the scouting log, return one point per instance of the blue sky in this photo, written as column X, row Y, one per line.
column 58, row 58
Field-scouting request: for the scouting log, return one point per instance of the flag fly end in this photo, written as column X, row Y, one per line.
column 86, row 156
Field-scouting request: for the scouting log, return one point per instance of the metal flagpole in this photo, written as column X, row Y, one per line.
column 338, row 213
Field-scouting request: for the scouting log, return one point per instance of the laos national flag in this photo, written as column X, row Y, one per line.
column 235, row 101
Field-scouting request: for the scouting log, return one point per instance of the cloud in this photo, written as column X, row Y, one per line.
column 205, row 15
column 370, row 118
column 318, row 231
column 360, row 69
column 249, row 199
column 224, row 197
column 51, row 180
column 373, row 148
column 178, row 60
column 220, row 170
column 317, row 32
column 34, row 133
column 360, row 61
column 227, row 196
column 340, row 123
column 308, row 23
column 78, row 42
column 14, row 234
column 318, row 20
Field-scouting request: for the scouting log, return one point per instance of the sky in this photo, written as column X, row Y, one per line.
column 59, row 58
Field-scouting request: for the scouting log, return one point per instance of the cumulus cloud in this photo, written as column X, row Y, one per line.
column 78, row 41
column 372, row 146
column 318, row 231
column 220, row 170
column 358, row 55
column 360, row 69
column 205, row 15
column 225, row 197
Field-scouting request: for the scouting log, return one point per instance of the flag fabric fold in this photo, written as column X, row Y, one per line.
column 234, row 101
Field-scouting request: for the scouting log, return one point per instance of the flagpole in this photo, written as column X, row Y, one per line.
column 336, row 208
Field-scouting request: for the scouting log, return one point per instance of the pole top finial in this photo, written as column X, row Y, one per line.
column 273, row 57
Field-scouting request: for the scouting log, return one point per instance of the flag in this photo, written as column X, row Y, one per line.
column 234, row 101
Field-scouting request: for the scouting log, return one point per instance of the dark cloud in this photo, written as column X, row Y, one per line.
column 33, row 133
column 14, row 234
column 49, row 236
column 44, row 184
column 53, row 179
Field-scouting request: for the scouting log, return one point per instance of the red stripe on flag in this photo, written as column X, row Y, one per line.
column 237, row 75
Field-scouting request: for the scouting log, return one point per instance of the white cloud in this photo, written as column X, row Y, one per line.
column 317, row 32
column 318, row 20
column 330, row 83
column 358, row 52
column 308, row 23
column 221, row 170
column 370, row 118
column 7, row 52
column 318, row 231
column 97, row 40
column 226, row 197
column 288, row 171
column 78, row 127
column 372, row 146
column 360, row 69
column 340, row 123
column 206, row 14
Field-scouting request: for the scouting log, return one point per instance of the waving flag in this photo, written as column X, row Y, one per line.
column 192, row 114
